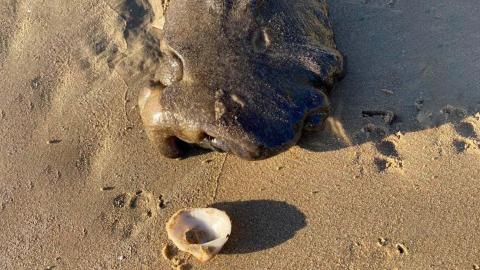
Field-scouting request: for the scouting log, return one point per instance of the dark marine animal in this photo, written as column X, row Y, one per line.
column 241, row 76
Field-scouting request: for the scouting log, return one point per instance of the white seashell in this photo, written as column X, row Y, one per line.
column 201, row 232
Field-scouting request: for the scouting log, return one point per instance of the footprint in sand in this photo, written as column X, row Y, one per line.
column 453, row 114
column 399, row 248
column 105, row 43
column 131, row 49
column 385, row 163
column 390, row 157
column 132, row 211
column 448, row 114
column 384, row 253
column 468, row 132
column 176, row 260
column 388, row 148
column 372, row 132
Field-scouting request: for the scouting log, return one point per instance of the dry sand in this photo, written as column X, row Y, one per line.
column 81, row 188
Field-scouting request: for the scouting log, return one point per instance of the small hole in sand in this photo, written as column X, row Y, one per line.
column 161, row 202
column 382, row 241
column 401, row 249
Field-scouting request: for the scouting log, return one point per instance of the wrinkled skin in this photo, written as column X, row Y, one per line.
column 241, row 76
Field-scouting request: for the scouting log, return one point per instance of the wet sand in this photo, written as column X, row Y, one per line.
column 81, row 187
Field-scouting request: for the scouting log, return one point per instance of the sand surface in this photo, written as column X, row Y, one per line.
column 81, row 187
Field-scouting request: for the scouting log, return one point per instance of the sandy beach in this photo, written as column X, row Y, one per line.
column 392, row 182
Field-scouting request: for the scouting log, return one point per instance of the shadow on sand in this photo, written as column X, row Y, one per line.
column 260, row 224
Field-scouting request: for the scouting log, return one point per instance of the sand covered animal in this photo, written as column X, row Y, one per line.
column 241, row 76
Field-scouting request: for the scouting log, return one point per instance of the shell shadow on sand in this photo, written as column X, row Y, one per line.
column 260, row 224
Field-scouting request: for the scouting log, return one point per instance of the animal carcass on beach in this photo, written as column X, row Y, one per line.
column 241, row 76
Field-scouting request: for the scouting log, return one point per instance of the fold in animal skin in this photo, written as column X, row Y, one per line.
column 241, row 76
